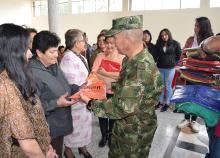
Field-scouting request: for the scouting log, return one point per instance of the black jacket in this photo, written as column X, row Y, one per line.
column 170, row 57
column 51, row 84
column 151, row 49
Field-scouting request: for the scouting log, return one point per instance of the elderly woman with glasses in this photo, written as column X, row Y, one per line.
column 76, row 70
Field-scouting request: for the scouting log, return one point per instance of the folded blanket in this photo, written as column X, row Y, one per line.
column 215, row 70
column 209, row 116
column 202, row 95
column 202, row 62
column 199, row 77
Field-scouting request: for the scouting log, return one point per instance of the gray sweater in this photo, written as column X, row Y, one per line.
column 51, row 84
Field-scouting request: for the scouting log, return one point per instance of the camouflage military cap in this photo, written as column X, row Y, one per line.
column 125, row 23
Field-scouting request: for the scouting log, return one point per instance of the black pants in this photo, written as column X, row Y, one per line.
column 106, row 124
column 211, row 134
column 188, row 116
column 57, row 144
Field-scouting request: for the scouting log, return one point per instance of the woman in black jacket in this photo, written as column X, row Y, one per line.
column 168, row 54
column 147, row 38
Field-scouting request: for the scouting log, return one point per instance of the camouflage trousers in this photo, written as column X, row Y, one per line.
column 123, row 149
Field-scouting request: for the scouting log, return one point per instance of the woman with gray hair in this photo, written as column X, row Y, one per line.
column 76, row 70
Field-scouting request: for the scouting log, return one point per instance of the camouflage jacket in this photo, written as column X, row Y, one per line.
column 136, row 91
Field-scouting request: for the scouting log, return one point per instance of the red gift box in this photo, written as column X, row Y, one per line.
column 94, row 88
column 110, row 66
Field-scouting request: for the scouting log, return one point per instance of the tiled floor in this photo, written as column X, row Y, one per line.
column 168, row 140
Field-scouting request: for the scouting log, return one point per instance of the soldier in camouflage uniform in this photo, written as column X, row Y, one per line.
column 136, row 91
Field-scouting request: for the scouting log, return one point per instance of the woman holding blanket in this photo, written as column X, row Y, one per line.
column 76, row 70
column 202, row 30
column 107, row 65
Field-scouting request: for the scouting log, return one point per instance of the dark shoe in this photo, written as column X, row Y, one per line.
column 158, row 105
column 83, row 151
column 175, row 111
column 102, row 142
column 164, row 108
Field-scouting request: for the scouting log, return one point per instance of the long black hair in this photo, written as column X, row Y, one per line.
column 14, row 42
column 160, row 41
column 148, row 32
column 205, row 28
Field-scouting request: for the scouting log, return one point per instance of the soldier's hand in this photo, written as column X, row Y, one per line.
column 84, row 98
column 87, row 100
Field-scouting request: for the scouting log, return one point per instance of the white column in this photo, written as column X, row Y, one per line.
column 204, row 4
column 53, row 15
column 126, row 4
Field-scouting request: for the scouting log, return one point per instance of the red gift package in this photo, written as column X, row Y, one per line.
column 94, row 88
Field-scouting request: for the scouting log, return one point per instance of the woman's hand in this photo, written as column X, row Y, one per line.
column 101, row 71
column 51, row 153
column 63, row 101
column 202, row 54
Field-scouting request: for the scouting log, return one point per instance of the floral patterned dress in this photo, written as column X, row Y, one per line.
column 76, row 73
column 19, row 119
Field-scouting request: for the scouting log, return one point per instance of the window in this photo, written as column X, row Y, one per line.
column 92, row 6
column 101, row 5
column 64, row 7
column 152, row 4
column 170, row 4
column 137, row 5
column 190, row 4
column 40, row 8
column 115, row 5
column 88, row 6
column 214, row 3
column 76, row 6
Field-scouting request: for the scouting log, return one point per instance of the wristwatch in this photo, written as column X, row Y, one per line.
column 88, row 106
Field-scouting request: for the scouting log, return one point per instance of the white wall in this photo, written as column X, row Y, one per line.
column 180, row 22
column 16, row 11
